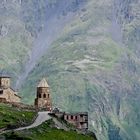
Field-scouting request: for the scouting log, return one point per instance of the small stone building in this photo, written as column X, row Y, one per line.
column 7, row 94
column 79, row 120
column 43, row 100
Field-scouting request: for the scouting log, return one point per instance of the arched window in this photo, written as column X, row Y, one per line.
column 48, row 95
column 44, row 95
column 72, row 117
column 39, row 95
column 1, row 91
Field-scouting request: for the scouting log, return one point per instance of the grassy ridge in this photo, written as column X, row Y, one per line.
column 46, row 131
column 10, row 116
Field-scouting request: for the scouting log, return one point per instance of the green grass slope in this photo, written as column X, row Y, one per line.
column 11, row 116
column 47, row 132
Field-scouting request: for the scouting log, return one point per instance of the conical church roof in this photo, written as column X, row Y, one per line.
column 43, row 83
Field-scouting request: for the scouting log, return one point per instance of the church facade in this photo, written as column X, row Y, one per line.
column 7, row 94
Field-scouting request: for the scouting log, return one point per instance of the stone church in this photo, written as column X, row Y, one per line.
column 43, row 100
column 7, row 94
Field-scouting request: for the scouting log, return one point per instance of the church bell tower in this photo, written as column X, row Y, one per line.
column 43, row 100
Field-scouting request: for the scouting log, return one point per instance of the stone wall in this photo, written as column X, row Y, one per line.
column 80, row 121
column 5, row 82
column 10, row 95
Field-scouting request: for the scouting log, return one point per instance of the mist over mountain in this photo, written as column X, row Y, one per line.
column 88, row 50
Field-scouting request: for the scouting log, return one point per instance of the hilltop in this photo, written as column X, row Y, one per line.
column 14, row 117
column 48, row 131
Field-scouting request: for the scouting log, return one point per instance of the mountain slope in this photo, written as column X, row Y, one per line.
column 93, row 63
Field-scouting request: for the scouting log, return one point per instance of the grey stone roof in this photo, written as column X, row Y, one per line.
column 43, row 83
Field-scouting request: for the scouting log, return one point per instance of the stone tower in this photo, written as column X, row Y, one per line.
column 5, row 82
column 7, row 94
column 43, row 100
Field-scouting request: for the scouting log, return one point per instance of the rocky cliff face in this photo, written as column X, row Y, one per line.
column 89, row 51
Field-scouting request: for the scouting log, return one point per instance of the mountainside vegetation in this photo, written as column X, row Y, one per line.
column 12, row 117
column 89, row 52
column 47, row 131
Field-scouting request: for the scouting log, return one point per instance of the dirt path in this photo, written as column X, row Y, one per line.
column 42, row 117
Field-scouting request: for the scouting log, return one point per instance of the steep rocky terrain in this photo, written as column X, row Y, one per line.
column 89, row 51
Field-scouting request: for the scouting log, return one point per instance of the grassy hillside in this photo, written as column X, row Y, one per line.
column 11, row 116
column 47, row 132
column 15, row 117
